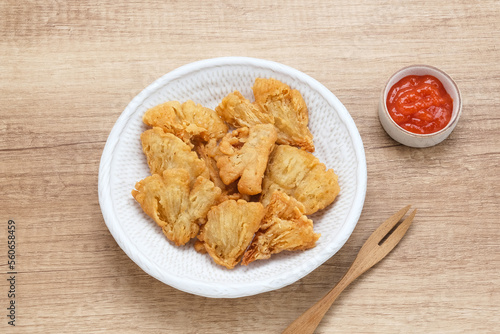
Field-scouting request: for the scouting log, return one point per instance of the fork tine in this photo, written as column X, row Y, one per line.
column 393, row 239
column 391, row 222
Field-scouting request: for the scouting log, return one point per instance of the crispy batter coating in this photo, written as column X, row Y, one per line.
column 243, row 154
column 199, row 246
column 203, row 177
column 288, row 109
column 173, row 204
column 229, row 230
column 237, row 111
column 207, row 153
column 301, row 175
column 284, row 227
column 186, row 121
column 165, row 151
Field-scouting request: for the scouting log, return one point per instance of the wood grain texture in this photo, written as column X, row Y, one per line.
column 68, row 69
column 378, row 245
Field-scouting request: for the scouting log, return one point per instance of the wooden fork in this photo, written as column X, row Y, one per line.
column 378, row 245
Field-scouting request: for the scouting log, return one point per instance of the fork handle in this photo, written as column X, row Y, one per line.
column 373, row 250
column 309, row 320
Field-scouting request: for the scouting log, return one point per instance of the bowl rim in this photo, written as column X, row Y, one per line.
column 213, row 290
column 454, row 117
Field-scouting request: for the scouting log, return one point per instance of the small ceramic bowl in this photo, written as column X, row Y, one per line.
column 412, row 139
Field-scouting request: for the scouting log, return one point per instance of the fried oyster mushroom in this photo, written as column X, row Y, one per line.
column 207, row 153
column 284, row 227
column 174, row 205
column 301, row 175
column 165, row 151
column 187, row 120
column 289, row 110
column 275, row 103
column 229, row 230
column 237, row 111
column 243, row 154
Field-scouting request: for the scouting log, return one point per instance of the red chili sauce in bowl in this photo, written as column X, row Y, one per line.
column 420, row 104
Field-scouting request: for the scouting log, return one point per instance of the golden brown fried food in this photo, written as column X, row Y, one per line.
column 229, row 230
column 284, row 227
column 237, row 111
column 204, row 177
column 289, row 110
column 243, row 154
column 301, row 175
column 187, row 121
column 199, row 246
column 173, row 204
column 165, row 151
column 233, row 194
column 207, row 153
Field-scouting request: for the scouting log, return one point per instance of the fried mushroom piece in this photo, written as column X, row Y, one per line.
column 187, row 121
column 237, row 111
column 207, row 152
column 289, row 110
column 301, row 175
column 284, row 227
column 174, row 205
column 229, row 230
column 164, row 151
column 244, row 154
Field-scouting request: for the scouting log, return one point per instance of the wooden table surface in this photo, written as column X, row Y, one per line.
column 67, row 71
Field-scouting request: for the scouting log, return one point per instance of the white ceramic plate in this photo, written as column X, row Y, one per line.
column 338, row 145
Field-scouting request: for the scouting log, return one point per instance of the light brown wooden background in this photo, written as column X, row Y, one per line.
column 69, row 68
